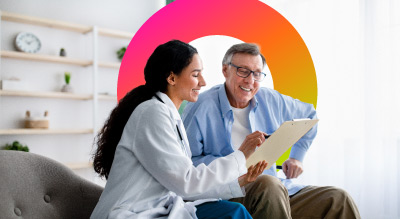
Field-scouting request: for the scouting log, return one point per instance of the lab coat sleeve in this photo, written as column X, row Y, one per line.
column 158, row 149
column 225, row 192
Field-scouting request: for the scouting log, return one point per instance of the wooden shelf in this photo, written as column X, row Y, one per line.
column 115, row 33
column 56, row 59
column 19, row 18
column 56, row 95
column 110, row 64
column 59, row 95
column 7, row 16
column 44, row 131
column 44, row 58
column 77, row 166
column 107, row 97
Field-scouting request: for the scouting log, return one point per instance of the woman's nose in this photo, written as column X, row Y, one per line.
column 202, row 82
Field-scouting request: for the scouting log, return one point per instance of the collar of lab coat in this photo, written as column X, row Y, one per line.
column 169, row 104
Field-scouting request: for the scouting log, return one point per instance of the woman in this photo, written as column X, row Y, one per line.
column 144, row 153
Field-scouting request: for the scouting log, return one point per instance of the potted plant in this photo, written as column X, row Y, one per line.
column 121, row 53
column 16, row 146
column 63, row 52
column 67, row 87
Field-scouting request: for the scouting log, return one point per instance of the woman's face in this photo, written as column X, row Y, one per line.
column 189, row 82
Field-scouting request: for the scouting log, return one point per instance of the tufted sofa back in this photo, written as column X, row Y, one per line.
column 33, row 186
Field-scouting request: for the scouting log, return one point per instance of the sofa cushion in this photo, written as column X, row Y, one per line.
column 33, row 186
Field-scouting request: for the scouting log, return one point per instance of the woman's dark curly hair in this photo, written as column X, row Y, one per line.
column 172, row 56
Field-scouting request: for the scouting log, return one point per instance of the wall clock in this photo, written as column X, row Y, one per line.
column 27, row 42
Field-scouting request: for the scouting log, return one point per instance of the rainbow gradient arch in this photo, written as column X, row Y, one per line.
column 287, row 55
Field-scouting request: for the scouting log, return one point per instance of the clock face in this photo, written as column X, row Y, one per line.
column 27, row 42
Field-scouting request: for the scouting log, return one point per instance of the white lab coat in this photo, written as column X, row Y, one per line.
column 151, row 174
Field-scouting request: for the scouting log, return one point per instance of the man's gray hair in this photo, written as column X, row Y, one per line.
column 248, row 48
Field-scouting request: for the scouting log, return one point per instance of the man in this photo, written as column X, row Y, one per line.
column 224, row 116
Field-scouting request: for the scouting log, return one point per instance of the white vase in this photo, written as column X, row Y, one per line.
column 67, row 88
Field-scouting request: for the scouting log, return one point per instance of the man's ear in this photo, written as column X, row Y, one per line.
column 225, row 70
column 171, row 79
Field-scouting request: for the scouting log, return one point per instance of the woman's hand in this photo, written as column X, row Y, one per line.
column 252, row 141
column 252, row 173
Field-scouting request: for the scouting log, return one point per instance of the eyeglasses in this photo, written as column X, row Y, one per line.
column 244, row 73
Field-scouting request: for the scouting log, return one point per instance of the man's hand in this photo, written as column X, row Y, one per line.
column 251, row 142
column 252, row 173
column 292, row 168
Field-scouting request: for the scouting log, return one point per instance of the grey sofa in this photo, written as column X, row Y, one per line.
column 33, row 186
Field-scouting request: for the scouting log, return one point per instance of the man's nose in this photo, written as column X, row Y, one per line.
column 249, row 79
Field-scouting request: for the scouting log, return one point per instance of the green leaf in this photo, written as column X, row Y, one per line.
column 121, row 53
column 16, row 146
column 67, row 76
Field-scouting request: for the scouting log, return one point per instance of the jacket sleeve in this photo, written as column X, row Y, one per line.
column 158, row 148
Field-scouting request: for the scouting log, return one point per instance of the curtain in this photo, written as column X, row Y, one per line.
column 355, row 46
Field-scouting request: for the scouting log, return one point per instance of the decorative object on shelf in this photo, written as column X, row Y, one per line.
column 67, row 87
column 16, row 146
column 27, row 42
column 63, row 52
column 12, row 83
column 121, row 53
column 37, row 122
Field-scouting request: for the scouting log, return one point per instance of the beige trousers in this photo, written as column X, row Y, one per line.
column 268, row 198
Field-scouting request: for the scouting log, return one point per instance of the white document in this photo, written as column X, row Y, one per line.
column 280, row 141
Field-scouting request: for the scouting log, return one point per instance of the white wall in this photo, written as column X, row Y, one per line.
column 125, row 15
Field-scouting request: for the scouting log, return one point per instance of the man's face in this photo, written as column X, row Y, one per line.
column 241, row 90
